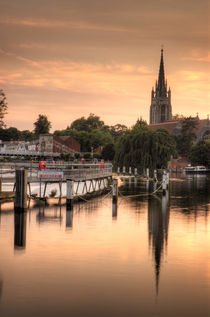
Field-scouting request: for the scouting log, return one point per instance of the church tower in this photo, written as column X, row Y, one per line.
column 160, row 109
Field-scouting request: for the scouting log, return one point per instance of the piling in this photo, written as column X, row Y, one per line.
column 69, row 194
column 115, row 190
column 21, row 189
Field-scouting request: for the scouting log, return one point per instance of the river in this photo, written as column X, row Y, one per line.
column 147, row 256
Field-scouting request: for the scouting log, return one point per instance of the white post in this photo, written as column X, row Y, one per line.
column 164, row 182
column 130, row 171
column 135, row 172
column 118, row 170
column 155, row 175
column 123, row 170
column 147, row 172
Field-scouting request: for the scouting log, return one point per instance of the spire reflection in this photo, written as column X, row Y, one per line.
column 158, row 222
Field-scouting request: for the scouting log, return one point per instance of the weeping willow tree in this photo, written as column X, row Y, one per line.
column 142, row 147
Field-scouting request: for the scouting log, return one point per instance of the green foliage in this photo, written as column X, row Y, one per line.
column 66, row 156
column 142, row 147
column 3, row 108
column 108, row 152
column 42, row 125
column 117, row 130
column 200, row 153
column 77, row 155
column 90, row 133
column 92, row 122
column 53, row 193
column 87, row 155
column 185, row 139
column 97, row 156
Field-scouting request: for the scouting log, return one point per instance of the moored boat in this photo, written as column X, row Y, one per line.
column 196, row 170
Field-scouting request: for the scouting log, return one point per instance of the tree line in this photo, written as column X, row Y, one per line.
column 139, row 146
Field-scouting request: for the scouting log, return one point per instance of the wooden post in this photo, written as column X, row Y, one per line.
column 115, row 190
column 69, row 194
column 21, row 189
column 0, row 184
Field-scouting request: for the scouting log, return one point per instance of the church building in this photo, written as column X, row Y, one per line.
column 160, row 109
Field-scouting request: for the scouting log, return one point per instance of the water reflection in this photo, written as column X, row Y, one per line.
column 114, row 211
column 158, row 224
column 20, row 230
column 49, row 214
column 69, row 219
column 1, row 289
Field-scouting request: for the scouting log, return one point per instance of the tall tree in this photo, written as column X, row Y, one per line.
column 3, row 108
column 142, row 147
column 187, row 136
column 200, row 153
column 42, row 125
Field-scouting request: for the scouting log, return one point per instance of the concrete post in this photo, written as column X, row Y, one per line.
column 21, row 189
column 115, row 190
column 69, row 194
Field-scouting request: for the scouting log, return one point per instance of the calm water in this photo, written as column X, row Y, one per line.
column 148, row 257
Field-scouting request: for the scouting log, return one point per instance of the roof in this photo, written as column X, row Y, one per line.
column 169, row 125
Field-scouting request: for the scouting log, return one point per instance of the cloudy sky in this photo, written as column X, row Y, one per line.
column 69, row 58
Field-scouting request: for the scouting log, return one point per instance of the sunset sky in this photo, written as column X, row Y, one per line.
column 69, row 58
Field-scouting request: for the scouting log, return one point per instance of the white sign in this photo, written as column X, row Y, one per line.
column 50, row 175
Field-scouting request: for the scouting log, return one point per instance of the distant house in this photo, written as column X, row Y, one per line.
column 58, row 144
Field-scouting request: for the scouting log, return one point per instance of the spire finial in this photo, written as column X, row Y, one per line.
column 161, row 78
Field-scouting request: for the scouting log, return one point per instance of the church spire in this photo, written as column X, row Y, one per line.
column 161, row 79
